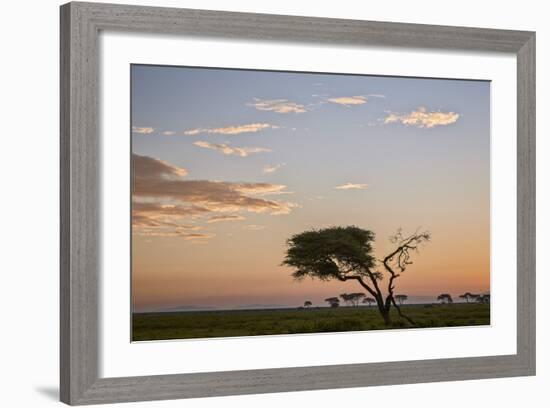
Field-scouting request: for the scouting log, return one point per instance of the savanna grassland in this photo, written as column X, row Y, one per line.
column 204, row 324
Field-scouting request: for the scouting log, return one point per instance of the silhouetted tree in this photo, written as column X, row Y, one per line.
column 357, row 297
column 307, row 304
column 401, row 298
column 352, row 299
column 369, row 300
column 346, row 298
column 346, row 253
column 333, row 301
column 485, row 298
column 445, row 298
column 468, row 296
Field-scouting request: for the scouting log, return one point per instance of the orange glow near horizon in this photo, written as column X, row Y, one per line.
column 169, row 272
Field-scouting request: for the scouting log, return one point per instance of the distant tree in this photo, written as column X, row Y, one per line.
column 445, row 298
column 346, row 298
column 357, row 297
column 369, row 300
column 352, row 299
column 333, row 301
column 346, row 253
column 485, row 298
column 401, row 298
column 468, row 296
column 307, row 304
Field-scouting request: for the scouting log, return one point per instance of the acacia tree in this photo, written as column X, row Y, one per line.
column 401, row 299
column 469, row 296
column 356, row 298
column 345, row 297
column 307, row 303
column 346, row 253
column 369, row 300
column 352, row 298
column 333, row 301
column 445, row 298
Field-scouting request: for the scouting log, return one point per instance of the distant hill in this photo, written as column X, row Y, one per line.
column 197, row 308
column 260, row 306
column 184, row 308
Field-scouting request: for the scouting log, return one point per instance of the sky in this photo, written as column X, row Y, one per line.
column 229, row 164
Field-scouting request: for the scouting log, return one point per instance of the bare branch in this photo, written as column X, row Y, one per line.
column 401, row 256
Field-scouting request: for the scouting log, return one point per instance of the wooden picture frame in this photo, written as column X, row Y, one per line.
column 81, row 24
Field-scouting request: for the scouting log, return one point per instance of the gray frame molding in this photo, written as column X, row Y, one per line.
column 80, row 235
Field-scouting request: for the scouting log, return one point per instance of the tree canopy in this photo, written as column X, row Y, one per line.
column 445, row 298
column 401, row 298
column 333, row 301
column 369, row 300
column 468, row 296
column 352, row 298
column 331, row 253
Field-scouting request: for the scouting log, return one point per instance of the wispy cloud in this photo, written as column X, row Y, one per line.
column 351, row 186
column 142, row 130
column 157, row 214
column 349, row 100
column 254, row 227
column 232, row 130
column 272, row 168
column 203, row 197
column 167, row 229
column 149, row 168
column 223, row 218
column 155, row 220
column 231, row 150
column 261, row 189
column 277, row 105
column 198, row 236
column 423, row 118
column 168, row 133
column 175, row 233
column 376, row 96
column 165, row 203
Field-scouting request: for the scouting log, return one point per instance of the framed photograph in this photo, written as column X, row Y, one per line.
column 246, row 196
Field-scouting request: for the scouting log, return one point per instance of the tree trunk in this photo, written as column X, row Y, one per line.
column 386, row 317
column 384, row 311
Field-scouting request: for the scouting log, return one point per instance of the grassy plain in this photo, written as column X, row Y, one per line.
column 204, row 324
